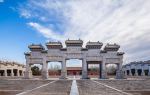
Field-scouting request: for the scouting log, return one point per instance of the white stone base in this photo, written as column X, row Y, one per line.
column 103, row 75
column 45, row 74
column 28, row 74
column 84, row 75
column 63, row 75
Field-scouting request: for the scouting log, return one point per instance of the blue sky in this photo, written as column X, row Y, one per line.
column 16, row 35
column 125, row 22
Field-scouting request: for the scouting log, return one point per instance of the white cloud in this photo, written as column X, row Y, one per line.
column 46, row 32
column 124, row 22
column 25, row 13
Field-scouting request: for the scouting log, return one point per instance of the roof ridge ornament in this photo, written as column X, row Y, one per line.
column 112, row 47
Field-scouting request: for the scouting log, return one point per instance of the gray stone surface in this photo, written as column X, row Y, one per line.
column 134, row 86
column 61, row 87
column 88, row 87
column 85, row 87
column 12, row 87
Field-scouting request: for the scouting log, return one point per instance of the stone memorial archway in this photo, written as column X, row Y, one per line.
column 74, row 50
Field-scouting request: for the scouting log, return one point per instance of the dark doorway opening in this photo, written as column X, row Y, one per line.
column 2, row 72
column 139, row 72
column 133, row 72
column 146, row 72
column 15, row 72
column 8, row 72
column 20, row 72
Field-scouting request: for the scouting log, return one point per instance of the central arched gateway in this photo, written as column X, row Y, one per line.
column 74, row 50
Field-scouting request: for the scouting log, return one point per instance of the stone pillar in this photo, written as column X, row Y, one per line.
column 119, row 73
column 12, row 73
column 18, row 74
column 63, row 70
column 23, row 73
column 28, row 72
column 148, row 70
column 44, row 69
column 84, row 69
column 130, row 72
column 103, row 71
column 87, row 70
column 5, row 73
column 125, row 72
column 136, row 72
column 100, row 70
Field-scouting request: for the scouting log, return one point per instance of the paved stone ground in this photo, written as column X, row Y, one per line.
column 134, row 86
column 89, row 87
column 85, row 87
column 12, row 87
column 60, row 87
